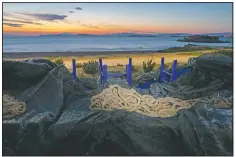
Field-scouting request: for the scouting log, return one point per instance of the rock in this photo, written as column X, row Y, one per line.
column 202, row 38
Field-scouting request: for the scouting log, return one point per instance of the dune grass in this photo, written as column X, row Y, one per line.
column 226, row 52
column 187, row 48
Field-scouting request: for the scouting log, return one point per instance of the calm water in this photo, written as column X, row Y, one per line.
column 72, row 44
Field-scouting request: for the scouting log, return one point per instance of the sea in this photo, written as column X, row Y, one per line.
column 95, row 43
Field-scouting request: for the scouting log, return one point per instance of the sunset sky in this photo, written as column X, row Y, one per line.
column 106, row 18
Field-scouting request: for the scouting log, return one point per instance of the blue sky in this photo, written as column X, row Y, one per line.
column 108, row 17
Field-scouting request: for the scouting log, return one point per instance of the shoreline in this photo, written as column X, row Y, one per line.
column 109, row 58
column 112, row 58
column 17, row 55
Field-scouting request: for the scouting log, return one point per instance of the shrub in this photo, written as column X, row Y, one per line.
column 79, row 65
column 148, row 66
column 49, row 58
column 134, row 69
column 120, row 65
column 59, row 61
column 224, row 52
column 90, row 67
column 228, row 52
column 168, row 66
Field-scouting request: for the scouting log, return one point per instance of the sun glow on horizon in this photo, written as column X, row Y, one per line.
column 108, row 18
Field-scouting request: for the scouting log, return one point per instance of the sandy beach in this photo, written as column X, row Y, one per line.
column 109, row 58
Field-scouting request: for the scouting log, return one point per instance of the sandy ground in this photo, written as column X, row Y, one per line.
column 137, row 60
column 109, row 58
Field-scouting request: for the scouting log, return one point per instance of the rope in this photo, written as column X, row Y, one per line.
column 116, row 97
column 12, row 107
column 218, row 102
column 183, row 92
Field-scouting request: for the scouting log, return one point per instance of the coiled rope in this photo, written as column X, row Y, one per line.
column 12, row 107
column 116, row 97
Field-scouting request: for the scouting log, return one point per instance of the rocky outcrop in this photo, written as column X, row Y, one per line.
column 202, row 38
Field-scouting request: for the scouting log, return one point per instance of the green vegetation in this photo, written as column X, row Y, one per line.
column 119, row 65
column 190, row 54
column 55, row 59
column 226, row 52
column 168, row 65
column 79, row 65
column 90, row 67
column 59, row 61
column 134, row 69
column 202, row 38
column 51, row 58
column 148, row 66
column 186, row 48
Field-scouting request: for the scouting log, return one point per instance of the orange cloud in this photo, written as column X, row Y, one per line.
column 60, row 27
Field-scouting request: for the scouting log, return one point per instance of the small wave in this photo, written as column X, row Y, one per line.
column 94, row 44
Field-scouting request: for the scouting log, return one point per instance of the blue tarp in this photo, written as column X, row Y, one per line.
column 148, row 83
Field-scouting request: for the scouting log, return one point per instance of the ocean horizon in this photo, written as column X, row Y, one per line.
column 19, row 44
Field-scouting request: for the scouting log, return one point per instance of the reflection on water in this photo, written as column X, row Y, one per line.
column 71, row 44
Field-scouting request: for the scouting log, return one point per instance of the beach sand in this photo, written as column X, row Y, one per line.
column 109, row 58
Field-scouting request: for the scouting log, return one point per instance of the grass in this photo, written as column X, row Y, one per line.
column 121, row 69
column 148, row 66
column 51, row 58
column 187, row 51
column 55, row 59
column 186, row 48
column 120, row 65
column 79, row 65
column 226, row 52
column 194, row 53
column 59, row 61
